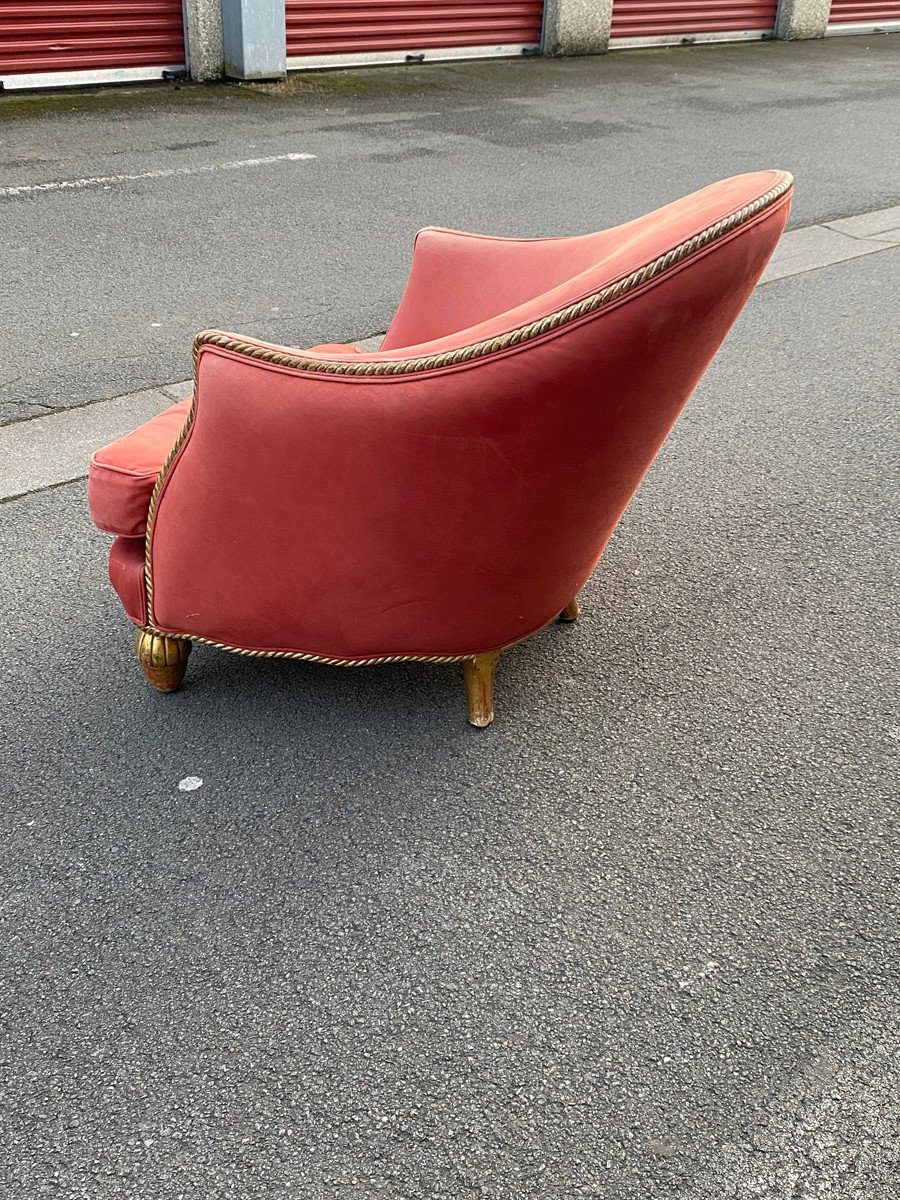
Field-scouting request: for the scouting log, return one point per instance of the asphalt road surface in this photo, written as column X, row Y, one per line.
column 638, row 940
column 105, row 286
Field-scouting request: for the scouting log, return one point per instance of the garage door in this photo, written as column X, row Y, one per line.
column 328, row 32
column 676, row 21
column 54, row 42
column 864, row 13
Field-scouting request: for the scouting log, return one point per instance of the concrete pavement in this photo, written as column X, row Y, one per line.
column 44, row 451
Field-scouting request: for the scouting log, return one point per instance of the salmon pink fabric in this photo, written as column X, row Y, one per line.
column 126, row 573
column 122, row 475
column 446, row 510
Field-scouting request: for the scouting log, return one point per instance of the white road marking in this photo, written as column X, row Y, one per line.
column 190, row 783
column 63, row 185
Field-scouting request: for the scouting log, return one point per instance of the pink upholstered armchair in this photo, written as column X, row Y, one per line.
column 447, row 496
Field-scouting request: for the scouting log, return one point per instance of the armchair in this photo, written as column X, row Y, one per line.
column 447, row 496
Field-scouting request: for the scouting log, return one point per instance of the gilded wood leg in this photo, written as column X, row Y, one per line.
column 164, row 659
column 479, row 676
column 571, row 612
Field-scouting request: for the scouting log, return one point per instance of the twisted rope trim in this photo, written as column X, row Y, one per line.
column 514, row 337
column 299, row 656
column 408, row 366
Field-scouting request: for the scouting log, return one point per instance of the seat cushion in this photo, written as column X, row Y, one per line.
column 122, row 475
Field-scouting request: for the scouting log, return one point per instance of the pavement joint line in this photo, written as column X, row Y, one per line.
column 774, row 275
column 46, row 487
column 48, row 450
column 830, row 242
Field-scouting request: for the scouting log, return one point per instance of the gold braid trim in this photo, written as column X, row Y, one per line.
column 513, row 337
column 318, row 658
column 409, row 366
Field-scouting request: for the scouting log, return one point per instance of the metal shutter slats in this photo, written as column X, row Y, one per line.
column 46, row 35
column 358, row 26
column 658, row 18
column 863, row 12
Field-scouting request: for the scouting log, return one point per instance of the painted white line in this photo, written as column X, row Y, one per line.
column 63, row 185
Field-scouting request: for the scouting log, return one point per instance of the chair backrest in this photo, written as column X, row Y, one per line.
column 451, row 498
column 475, row 286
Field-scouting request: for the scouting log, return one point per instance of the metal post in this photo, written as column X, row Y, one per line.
column 253, row 36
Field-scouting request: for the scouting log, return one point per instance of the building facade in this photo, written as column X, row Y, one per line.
column 44, row 43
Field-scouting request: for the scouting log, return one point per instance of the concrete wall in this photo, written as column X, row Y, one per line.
column 802, row 19
column 203, row 27
column 577, row 26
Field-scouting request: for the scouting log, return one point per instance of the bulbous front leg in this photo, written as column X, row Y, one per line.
column 571, row 612
column 164, row 659
column 479, row 677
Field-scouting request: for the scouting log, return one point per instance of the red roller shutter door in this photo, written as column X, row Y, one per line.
column 376, row 30
column 676, row 20
column 106, row 37
column 864, row 12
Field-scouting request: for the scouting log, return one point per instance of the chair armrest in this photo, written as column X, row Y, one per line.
column 122, row 475
column 353, row 514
